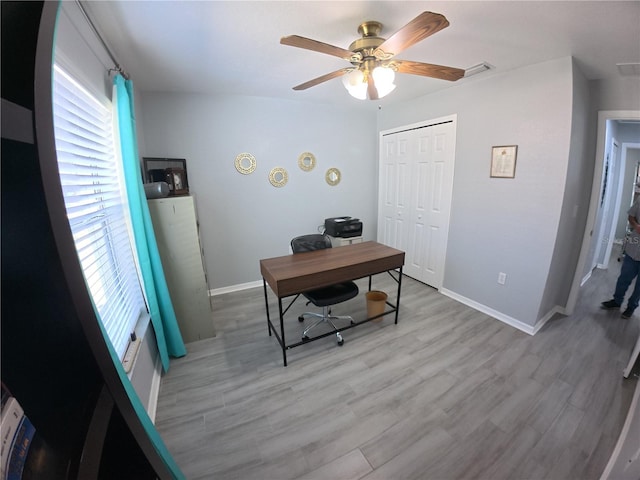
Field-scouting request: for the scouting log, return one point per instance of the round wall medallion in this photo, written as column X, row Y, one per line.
column 278, row 177
column 307, row 161
column 245, row 163
column 333, row 176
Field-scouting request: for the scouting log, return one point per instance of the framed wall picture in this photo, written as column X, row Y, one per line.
column 177, row 180
column 154, row 169
column 503, row 161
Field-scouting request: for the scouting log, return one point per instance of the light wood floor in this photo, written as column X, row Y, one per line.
column 448, row 393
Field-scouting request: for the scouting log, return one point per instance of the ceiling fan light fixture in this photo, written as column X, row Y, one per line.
column 384, row 91
column 358, row 91
column 383, row 78
column 355, row 84
column 373, row 72
column 352, row 79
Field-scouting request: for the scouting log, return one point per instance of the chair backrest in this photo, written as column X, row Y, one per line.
column 308, row 243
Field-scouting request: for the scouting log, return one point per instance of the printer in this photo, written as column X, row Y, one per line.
column 344, row 227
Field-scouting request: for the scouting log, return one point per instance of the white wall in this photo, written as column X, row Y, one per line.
column 79, row 52
column 244, row 218
column 628, row 187
column 596, row 248
column 503, row 225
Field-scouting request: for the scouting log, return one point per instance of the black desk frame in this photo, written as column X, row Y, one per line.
column 396, row 274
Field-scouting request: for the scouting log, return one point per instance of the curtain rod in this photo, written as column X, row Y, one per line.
column 117, row 67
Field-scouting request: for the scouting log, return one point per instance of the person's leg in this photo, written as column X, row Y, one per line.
column 635, row 296
column 628, row 272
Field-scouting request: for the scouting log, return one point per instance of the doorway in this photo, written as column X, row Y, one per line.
column 587, row 247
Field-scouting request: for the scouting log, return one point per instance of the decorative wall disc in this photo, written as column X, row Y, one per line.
column 245, row 163
column 307, row 161
column 278, row 177
column 333, row 176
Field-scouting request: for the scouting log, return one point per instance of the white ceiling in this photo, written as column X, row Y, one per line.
column 233, row 46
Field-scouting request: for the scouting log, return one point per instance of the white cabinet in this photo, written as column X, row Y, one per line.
column 176, row 227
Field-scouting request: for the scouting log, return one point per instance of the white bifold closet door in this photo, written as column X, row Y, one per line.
column 415, row 188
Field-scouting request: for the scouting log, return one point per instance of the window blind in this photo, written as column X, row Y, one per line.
column 93, row 196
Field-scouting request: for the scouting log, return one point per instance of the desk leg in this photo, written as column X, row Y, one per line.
column 284, row 343
column 266, row 305
column 398, row 297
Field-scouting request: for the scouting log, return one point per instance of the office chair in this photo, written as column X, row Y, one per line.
column 327, row 296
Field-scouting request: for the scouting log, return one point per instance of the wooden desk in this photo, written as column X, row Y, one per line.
column 294, row 274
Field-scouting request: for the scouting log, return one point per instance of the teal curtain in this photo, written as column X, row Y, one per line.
column 160, row 307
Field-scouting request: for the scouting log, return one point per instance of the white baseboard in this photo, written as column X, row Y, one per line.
column 470, row 303
column 541, row 323
column 155, row 390
column 531, row 330
column 234, row 288
column 586, row 278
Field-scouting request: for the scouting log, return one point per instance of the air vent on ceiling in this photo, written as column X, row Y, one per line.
column 628, row 69
column 476, row 69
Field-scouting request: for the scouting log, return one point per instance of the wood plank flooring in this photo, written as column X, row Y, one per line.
column 448, row 393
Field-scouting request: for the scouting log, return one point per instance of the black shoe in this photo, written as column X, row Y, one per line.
column 627, row 313
column 610, row 304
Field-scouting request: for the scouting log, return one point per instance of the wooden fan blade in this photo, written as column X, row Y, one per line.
column 372, row 91
column 323, row 78
column 316, row 46
column 424, row 25
column 429, row 70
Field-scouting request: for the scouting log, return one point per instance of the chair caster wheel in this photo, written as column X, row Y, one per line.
column 301, row 318
column 305, row 338
column 340, row 339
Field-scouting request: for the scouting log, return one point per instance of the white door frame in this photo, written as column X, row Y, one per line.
column 624, row 149
column 612, row 195
column 603, row 116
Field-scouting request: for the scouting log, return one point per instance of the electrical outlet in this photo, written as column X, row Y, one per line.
column 502, row 278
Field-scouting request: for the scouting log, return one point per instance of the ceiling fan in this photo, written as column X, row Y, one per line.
column 372, row 57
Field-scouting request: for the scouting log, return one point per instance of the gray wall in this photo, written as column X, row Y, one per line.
column 575, row 204
column 528, row 227
column 503, row 225
column 622, row 93
column 525, row 227
column 244, row 218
